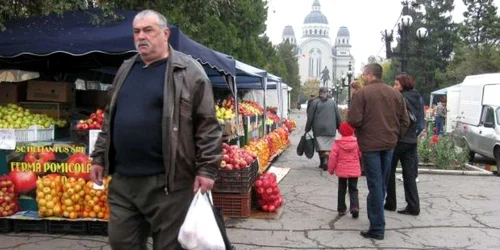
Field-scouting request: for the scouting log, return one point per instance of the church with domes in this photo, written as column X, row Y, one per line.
column 317, row 50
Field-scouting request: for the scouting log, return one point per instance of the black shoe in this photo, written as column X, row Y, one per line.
column 389, row 208
column 370, row 235
column 408, row 212
column 355, row 214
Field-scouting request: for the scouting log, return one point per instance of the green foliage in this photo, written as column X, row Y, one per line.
column 311, row 87
column 478, row 52
column 287, row 53
column 229, row 26
column 445, row 154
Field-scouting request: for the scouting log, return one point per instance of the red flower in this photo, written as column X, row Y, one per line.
column 435, row 139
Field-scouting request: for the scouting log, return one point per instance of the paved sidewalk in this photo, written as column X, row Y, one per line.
column 458, row 212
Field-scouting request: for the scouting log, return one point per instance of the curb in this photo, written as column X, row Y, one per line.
column 474, row 172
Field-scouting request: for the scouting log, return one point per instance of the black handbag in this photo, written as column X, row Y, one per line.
column 309, row 145
column 301, row 145
column 220, row 222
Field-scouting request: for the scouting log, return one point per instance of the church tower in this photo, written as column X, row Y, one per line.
column 342, row 53
column 288, row 34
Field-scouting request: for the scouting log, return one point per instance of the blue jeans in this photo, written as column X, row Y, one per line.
column 439, row 125
column 377, row 171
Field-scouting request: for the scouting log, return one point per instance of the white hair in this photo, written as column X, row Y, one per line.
column 162, row 20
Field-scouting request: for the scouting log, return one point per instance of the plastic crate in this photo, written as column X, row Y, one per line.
column 67, row 227
column 98, row 228
column 236, row 181
column 39, row 226
column 233, row 205
column 5, row 226
column 29, row 135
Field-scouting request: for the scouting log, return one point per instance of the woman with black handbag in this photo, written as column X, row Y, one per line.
column 406, row 151
column 323, row 118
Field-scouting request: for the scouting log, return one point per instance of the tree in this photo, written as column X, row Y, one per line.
column 311, row 87
column 481, row 26
column 479, row 50
column 287, row 53
column 429, row 57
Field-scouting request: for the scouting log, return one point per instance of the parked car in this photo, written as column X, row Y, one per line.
column 478, row 124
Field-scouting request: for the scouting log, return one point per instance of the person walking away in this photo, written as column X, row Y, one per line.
column 406, row 151
column 344, row 163
column 378, row 113
column 355, row 86
column 161, row 141
column 323, row 118
column 440, row 117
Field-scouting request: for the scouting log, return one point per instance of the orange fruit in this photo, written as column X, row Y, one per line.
column 72, row 215
column 92, row 214
column 85, row 214
column 97, row 208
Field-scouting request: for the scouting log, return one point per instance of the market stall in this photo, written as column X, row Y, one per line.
column 45, row 139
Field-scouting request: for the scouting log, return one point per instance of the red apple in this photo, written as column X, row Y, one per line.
column 83, row 162
column 249, row 159
column 229, row 166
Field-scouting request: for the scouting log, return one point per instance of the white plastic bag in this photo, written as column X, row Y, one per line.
column 200, row 230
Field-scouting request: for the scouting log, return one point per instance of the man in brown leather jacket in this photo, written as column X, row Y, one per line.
column 161, row 141
column 378, row 112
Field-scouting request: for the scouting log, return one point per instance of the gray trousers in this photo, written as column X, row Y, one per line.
column 140, row 208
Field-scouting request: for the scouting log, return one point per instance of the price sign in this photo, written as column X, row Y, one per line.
column 93, row 134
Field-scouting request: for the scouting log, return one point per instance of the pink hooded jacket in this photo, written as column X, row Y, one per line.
column 344, row 158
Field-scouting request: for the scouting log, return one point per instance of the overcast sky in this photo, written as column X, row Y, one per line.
column 364, row 19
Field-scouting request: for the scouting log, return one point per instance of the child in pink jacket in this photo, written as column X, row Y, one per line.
column 344, row 162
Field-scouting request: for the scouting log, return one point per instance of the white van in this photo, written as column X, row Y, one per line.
column 478, row 124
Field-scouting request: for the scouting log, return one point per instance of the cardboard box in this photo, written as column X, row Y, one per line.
column 12, row 92
column 50, row 91
column 60, row 111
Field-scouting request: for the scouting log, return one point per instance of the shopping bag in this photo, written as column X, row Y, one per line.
column 309, row 145
column 200, row 230
column 301, row 145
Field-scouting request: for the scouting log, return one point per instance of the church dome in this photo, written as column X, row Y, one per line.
column 343, row 31
column 315, row 17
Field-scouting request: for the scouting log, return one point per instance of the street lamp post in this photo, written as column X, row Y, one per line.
column 343, row 81
column 349, row 77
column 404, row 28
column 337, row 90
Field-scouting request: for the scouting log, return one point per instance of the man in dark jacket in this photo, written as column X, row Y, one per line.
column 378, row 113
column 161, row 141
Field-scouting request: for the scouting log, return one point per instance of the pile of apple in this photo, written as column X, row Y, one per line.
column 268, row 192
column 272, row 118
column 94, row 122
column 8, row 197
column 250, row 108
column 49, row 190
column 96, row 201
column 13, row 116
column 233, row 157
column 290, row 124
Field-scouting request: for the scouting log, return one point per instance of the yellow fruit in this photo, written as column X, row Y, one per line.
column 50, row 204
column 66, row 214
column 42, row 202
column 46, row 190
column 72, row 215
column 68, row 202
column 57, row 210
